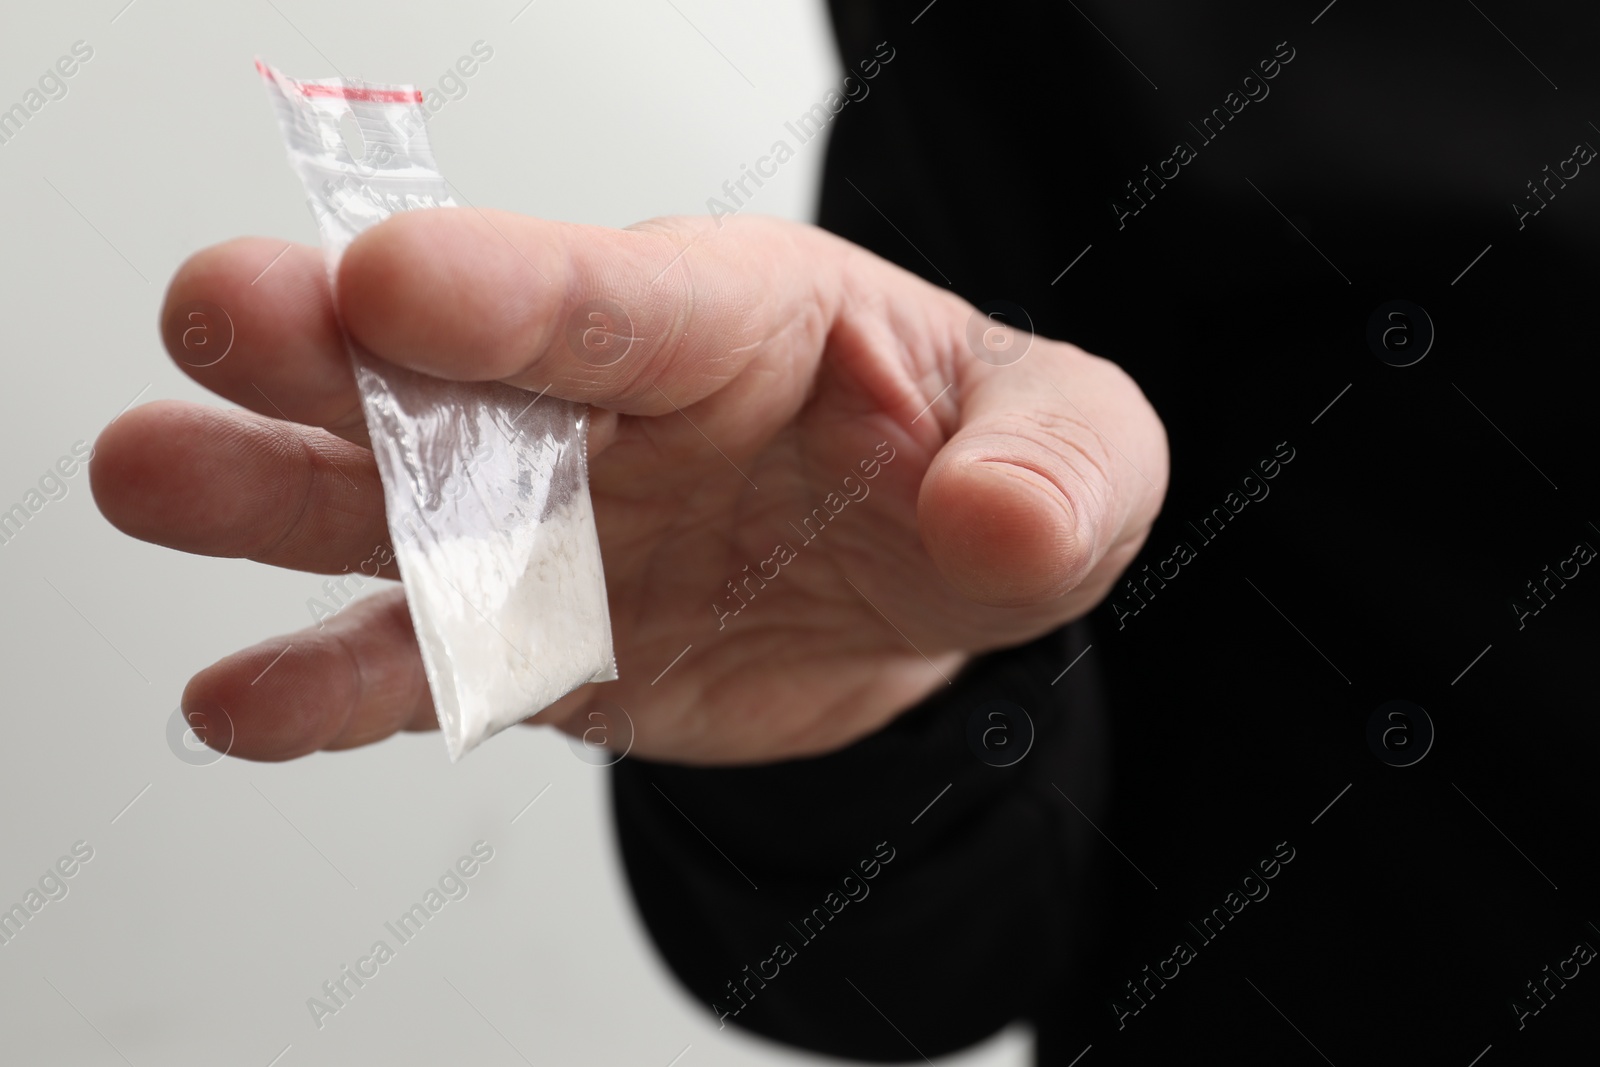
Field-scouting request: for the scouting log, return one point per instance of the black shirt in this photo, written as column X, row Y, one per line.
column 1352, row 246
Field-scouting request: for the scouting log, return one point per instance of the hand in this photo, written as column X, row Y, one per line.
column 778, row 374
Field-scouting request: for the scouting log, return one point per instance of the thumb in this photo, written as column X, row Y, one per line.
column 1050, row 483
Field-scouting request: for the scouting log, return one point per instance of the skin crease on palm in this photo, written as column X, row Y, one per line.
column 1011, row 505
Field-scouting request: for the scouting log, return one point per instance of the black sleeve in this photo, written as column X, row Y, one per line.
column 1421, row 551
column 905, row 896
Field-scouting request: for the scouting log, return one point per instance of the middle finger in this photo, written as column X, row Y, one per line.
column 234, row 484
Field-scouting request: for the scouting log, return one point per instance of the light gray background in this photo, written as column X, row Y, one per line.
column 224, row 895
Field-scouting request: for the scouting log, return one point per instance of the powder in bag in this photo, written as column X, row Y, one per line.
column 486, row 489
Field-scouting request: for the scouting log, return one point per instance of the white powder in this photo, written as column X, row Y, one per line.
column 487, row 492
column 495, row 537
column 500, row 645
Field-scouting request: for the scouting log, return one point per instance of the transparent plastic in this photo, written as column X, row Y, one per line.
column 485, row 486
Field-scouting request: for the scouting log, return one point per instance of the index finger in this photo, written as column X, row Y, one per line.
column 253, row 321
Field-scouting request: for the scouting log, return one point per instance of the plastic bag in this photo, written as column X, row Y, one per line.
column 486, row 487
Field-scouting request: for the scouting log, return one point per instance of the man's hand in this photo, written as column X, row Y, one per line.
column 800, row 467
